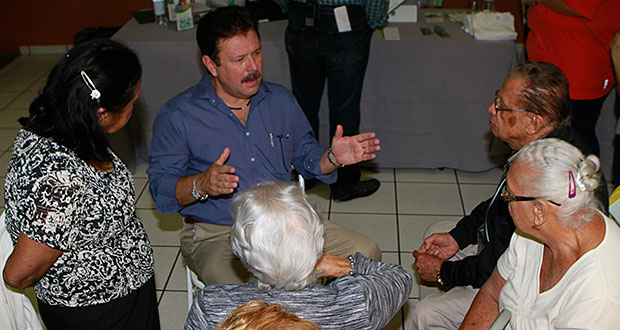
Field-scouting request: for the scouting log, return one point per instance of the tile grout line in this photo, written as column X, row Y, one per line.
column 42, row 75
column 169, row 276
column 397, row 217
column 19, row 94
column 372, row 213
column 479, row 184
column 404, row 213
column 402, row 308
column 430, row 182
column 13, row 100
column 329, row 207
column 458, row 186
column 141, row 192
column 7, row 68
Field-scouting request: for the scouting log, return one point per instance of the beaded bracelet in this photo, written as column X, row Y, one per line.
column 350, row 257
column 333, row 161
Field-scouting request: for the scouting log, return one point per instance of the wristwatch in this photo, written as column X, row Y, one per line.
column 196, row 194
column 439, row 280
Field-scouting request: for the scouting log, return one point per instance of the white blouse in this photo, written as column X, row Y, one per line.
column 586, row 297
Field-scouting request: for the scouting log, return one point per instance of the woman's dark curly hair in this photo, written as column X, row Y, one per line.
column 65, row 111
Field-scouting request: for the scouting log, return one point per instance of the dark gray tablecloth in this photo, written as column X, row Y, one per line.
column 425, row 97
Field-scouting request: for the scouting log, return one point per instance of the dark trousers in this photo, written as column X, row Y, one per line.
column 135, row 311
column 585, row 115
column 320, row 53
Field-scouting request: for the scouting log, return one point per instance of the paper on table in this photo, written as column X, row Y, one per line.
column 390, row 33
column 433, row 17
column 493, row 26
column 404, row 14
column 393, row 5
column 198, row 8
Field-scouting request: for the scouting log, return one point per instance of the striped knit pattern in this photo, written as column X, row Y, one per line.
column 367, row 300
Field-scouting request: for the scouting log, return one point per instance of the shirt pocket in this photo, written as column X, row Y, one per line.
column 281, row 151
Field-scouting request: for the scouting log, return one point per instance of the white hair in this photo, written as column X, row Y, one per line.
column 277, row 235
column 561, row 173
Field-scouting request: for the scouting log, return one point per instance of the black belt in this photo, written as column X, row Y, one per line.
column 191, row 220
column 312, row 10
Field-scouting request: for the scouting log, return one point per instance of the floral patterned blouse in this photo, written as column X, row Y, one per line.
column 57, row 199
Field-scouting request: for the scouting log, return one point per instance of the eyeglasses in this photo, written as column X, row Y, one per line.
column 507, row 197
column 497, row 108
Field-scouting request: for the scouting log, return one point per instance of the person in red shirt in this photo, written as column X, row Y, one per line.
column 615, row 58
column 575, row 36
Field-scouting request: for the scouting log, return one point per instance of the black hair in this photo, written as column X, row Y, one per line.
column 221, row 24
column 545, row 91
column 65, row 111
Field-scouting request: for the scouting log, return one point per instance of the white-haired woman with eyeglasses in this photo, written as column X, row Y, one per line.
column 279, row 237
column 561, row 270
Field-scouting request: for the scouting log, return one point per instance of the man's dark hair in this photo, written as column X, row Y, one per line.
column 545, row 91
column 65, row 111
column 221, row 24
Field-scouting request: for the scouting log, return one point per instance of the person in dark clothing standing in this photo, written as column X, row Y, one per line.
column 330, row 40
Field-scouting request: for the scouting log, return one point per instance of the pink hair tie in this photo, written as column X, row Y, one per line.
column 572, row 186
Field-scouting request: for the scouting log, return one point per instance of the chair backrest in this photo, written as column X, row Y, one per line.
column 614, row 204
column 501, row 321
column 16, row 310
column 192, row 282
column 301, row 181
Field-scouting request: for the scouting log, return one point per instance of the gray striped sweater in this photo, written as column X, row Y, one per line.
column 367, row 300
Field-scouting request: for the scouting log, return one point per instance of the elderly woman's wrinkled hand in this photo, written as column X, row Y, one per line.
column 330, row 265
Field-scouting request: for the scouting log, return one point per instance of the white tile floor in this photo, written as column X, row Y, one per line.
column 395, row 217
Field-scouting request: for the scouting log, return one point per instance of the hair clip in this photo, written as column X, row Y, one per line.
column 95, row 94
column 579, row 182
column 572, row 186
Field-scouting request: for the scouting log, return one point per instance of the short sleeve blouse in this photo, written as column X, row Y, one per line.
column 586, row 297
column 55, row 198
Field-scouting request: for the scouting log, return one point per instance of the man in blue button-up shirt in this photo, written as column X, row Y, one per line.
column 231, row 131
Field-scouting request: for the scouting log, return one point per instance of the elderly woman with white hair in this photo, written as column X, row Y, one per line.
column 279, row 237
column 561, row 270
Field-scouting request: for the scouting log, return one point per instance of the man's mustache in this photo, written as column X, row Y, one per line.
column 252, row 76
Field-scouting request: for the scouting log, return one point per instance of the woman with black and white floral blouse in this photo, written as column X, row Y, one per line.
column 70, row 200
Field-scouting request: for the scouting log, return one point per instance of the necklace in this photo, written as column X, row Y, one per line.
column 241, row 108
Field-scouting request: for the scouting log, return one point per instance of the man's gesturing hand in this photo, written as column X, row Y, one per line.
column 354, row 149
column 218, row 179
